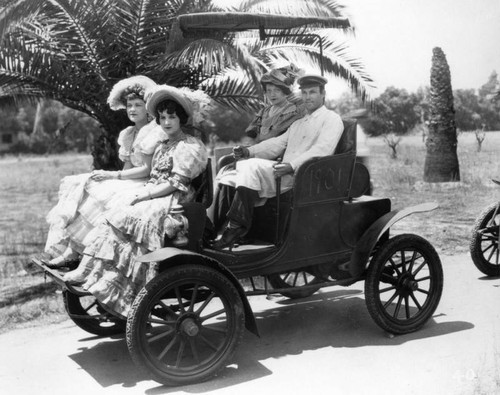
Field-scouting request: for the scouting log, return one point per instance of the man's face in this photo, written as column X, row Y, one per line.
column 313, row 98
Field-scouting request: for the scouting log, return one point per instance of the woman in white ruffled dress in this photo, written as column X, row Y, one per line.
column 84, row 198
column 140, row 218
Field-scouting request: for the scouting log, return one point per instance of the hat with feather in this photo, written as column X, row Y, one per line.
column 132, row 87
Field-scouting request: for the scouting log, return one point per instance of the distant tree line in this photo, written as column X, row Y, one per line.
column 397, row 111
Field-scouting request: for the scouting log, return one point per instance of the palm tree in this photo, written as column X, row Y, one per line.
column 441, row 161
column 75, row 50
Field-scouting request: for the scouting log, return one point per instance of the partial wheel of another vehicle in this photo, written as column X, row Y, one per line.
column 86, row 312
column 185, row 325
column 294, row 281
column 484, row 241
column 404, row 284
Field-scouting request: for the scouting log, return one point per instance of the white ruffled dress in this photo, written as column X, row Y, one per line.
column 109, row 263
column 83, row 201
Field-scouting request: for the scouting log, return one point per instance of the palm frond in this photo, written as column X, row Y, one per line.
column 234, row 90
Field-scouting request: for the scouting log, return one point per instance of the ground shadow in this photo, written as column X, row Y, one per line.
column 335, row 319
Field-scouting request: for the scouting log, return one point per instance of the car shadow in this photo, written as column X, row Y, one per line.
column 334, row 319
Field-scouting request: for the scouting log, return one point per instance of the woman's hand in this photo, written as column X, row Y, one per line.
column 140, row 197
column 100, row 175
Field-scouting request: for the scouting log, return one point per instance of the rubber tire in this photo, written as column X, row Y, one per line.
column 372, row 295
column 483, row 264
column 137, row 324
column 295, row 292
column 112, row 326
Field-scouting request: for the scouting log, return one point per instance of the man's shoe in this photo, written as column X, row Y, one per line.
column 229, row 238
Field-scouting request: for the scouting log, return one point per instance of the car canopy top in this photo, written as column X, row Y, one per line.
column 225, row 22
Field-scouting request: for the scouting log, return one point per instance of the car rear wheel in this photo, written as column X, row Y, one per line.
column 294, row 280
column 86, row 312
column 484, row 242
column 185, row 325
column 404, row 284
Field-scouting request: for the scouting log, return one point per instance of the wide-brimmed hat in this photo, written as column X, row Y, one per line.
column 158, row 93
column 283, row 76
column 312, row 79
column 137, row 84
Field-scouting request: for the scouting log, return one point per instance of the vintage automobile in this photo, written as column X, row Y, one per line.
column 186, row 323
column 485, row 238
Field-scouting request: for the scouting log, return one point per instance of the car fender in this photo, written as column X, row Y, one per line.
column 171, row 256
column 366, row 243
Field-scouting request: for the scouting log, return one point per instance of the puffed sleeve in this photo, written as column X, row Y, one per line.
column 189, row 161
column 125, row 143
column 151, row 136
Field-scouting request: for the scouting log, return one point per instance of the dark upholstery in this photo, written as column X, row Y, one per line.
column 203, row 184
column 347, row 142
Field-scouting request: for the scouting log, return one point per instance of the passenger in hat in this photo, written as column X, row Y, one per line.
column 139, row 218
column 316, row 134
column 84, row 198
column 273, row 120
column 279, row 112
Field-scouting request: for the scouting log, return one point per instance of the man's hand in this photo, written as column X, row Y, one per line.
column 240, row 152
column 282, row 169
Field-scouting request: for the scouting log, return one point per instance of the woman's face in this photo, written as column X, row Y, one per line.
column 275, row 95
column 136, row 111
column 170, row 123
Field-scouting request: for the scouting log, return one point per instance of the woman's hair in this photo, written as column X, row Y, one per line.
column 282, row 88
column 133, row 92
column 171, row 107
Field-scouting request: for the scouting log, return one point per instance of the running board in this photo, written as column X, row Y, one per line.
column 57, row 276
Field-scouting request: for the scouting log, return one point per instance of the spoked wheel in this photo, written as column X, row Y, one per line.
column 404, row 284
column 185, row 325
column 86, row 312
column 294, row 280
column 484, row 241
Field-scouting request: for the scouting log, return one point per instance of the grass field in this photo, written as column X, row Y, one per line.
column 29, row 189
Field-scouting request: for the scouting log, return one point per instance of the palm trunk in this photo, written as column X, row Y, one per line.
column 441, row 161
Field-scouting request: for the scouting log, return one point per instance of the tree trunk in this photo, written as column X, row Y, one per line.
column 441, row 161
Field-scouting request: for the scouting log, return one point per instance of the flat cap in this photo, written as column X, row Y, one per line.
column 312, row 79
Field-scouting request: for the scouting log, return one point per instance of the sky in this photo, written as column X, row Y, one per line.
column 395, row 38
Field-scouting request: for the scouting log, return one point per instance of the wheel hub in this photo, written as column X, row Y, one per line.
column 408, row 283
column 189, row 327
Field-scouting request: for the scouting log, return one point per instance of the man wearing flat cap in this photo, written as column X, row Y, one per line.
column 316, row 134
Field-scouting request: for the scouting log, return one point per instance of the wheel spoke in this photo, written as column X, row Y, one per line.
column 214, row 314
column 415, row 301
column 412, row 261
column 286, row 276
column 194, row 350
column 492, row 252
column 386, row 289
column 422, row 291
column 179, row 299
column 424, row 263
column 391, row 299
column 407, row 307
column 304, row 276
column 394, row 266
column 423, row 278
column 295, row 279
column 398, row 307
column 158, row 321
column 387, row 278
column 160, row 335
column 487, row 248
column 193, row 297
column 180, row 353
column 403, row 261
column 169, row 310
column 205, row 303
column 168, row 347
column 208, row 343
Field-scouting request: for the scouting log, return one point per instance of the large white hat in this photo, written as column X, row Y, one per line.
column 137, row 84
column 158, row 93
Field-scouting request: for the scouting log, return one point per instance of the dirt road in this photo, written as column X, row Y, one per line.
column 325, row 344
